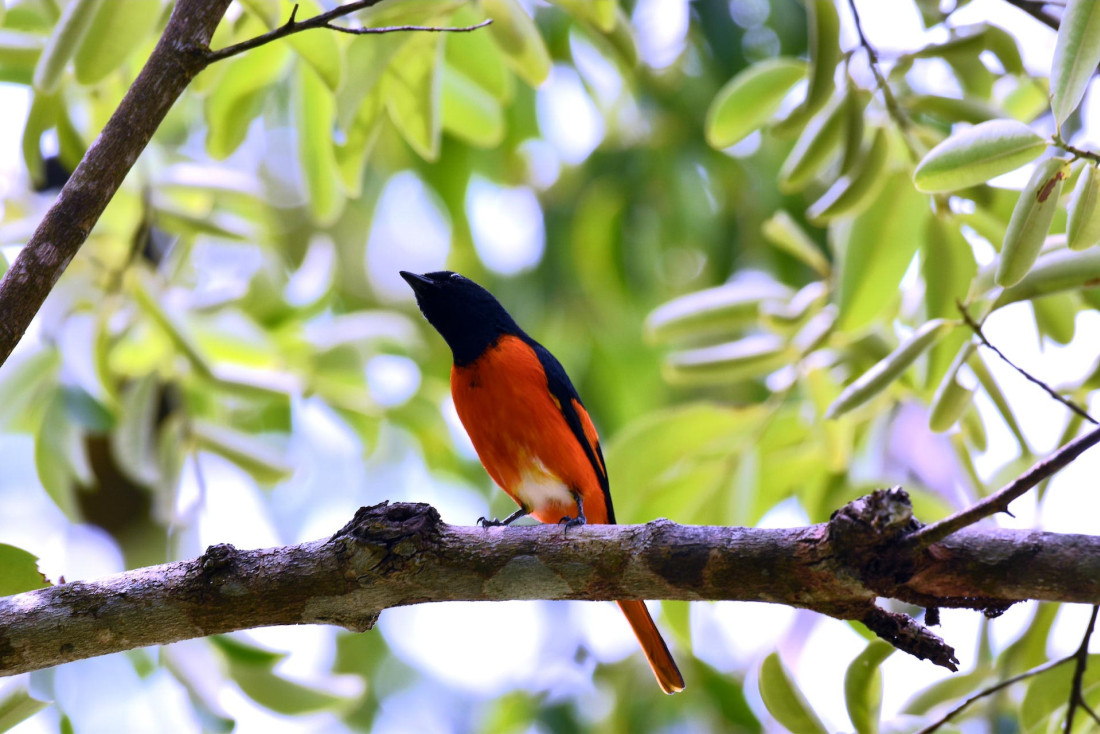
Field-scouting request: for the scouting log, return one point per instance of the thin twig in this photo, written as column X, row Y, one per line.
column 897, row 114
column 1082, row 657
column 998, row 501
column 993, row 689
column 977, row 329
column 324, row 20
column 1075, row 151
column 405, row 28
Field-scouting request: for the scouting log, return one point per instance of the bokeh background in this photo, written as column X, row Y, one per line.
column 232, row 358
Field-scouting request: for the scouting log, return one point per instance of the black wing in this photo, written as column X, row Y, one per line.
column 562, row 389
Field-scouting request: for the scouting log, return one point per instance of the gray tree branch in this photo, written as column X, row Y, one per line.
column 394, row 555
column 178, row 57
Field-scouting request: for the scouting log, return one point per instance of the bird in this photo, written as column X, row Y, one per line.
column 528, row 426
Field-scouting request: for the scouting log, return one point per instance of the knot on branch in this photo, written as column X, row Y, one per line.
column 873, row 520
column 388, row 538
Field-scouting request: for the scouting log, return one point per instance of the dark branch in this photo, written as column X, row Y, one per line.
column 394, row 555
column 977, row 329
column 999, row 501
column 1082, row 660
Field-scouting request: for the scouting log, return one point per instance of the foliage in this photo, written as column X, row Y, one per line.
column 750, row 262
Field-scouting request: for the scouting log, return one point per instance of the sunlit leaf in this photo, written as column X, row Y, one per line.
column 1031, row 220
column 1076, row 55
column 878, row 378
column 75, row 22
column 875, row 249
column 469, row 112
column 978, row 154
column 863, row 686
column 413, row 91
column 749, row 99
column 518, row 37
column 718, row 310
column 116, row 30
column 18, row 573
column 316, row 114
column 17, row 704
column 263, row 461
column 234, row 102
column 784, row 699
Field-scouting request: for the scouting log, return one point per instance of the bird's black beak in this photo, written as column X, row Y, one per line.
column 417, row 282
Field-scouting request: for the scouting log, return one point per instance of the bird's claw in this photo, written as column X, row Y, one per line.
column 489, row 523
column 572, row 522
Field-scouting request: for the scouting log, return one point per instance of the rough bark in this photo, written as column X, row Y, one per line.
column 393, row 555
column 180, row 54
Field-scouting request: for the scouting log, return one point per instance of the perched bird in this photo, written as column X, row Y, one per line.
column 528, row 425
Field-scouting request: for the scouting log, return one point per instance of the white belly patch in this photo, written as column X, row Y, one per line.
column 539, row 488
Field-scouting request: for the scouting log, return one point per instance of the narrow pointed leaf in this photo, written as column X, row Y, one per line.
column 977, row 154
column 1076, row 55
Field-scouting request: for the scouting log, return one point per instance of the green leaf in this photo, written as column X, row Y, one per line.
column 1056, row 316
column 250, row 668
column 18, row 573
column 1054, row 272
column 477, row 56
column 951, row 399
column 749, row 99
column 976, row 155
column 66, row 36
column 863, row 687
column 785, row 701
column 56, row 444
column 469, row 112
column 17, row 703
column 23, row 383
column 1044, row 706
column 736, row 361
column 660, row 455
column 1076, row 55
column 315, row 110
column 875, row 249
column 19, row 54
column 236, row 99
column 133, row 440
column 260, row 459
column 824, row 36
column 1031, row 220
column 814, row 149
column 116, row 30
column 719, row 310
column 413, row 92
column 853, row 191
column 600, row 13
column 786, row 235
column 319, row 49
column 878, row 378
column 518, row 37
column 1083, row 226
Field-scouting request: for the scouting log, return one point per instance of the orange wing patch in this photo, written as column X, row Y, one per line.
column 518, row 430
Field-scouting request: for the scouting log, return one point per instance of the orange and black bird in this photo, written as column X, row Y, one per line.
column 528, row 425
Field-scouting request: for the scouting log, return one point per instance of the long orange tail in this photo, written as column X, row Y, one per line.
column 653, row 645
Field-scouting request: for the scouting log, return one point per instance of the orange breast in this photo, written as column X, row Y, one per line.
column 521, row 436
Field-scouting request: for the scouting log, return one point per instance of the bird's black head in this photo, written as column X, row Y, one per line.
column 468, row 317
